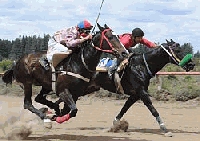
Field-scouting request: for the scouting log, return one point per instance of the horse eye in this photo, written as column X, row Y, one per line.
column 110, row 37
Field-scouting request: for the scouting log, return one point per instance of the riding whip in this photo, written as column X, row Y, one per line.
column 98, row 15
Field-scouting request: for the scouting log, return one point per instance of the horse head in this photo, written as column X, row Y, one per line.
column 177, row 55
column 106, row 41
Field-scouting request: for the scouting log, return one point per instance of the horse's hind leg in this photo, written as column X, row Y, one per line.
column 28, row 101
column 67, row 98
column 147, row 101
column 41, row 98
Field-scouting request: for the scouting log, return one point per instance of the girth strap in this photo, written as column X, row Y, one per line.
column 62, row 73
column 75, row 75
column 53, row 78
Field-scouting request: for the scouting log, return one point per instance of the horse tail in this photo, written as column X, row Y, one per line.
column 8, row 76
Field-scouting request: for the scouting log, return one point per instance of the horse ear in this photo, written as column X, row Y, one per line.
column 172, row 41
column 100, row 28
column 167, row 41
column 105, row 25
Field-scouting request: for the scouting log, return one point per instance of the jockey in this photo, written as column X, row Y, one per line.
column 130, row 40
column 68, row 38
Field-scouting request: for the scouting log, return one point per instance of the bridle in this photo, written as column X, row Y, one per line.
column 103, row 36
column 171, row 54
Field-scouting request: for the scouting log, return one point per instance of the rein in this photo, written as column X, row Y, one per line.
column 102, row 38
column 172, row 54
column 147, row 66
column 83, row 61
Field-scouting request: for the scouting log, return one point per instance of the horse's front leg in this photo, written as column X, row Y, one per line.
column 131, row 100
column 41, row 98
column 147, row 101
column 67, row 98
column 28, row 101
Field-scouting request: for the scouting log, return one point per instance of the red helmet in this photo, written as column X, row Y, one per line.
column 85, row 25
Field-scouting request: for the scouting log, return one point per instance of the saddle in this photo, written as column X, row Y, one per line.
column 116, row 77
column 58, row 57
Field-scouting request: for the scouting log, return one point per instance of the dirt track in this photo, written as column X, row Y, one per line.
column 95, row 116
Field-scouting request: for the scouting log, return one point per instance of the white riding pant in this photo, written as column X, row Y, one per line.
column 53, row 48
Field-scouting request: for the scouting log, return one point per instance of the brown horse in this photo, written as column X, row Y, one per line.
column 70, row 77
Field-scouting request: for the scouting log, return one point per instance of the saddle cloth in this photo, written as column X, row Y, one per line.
column 104, row 64
column 58, row 57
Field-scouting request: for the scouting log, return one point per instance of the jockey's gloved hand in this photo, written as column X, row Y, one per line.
column 89, row 36
column 156, row 45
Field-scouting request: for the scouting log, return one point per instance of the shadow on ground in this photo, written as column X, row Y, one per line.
column 69, row 137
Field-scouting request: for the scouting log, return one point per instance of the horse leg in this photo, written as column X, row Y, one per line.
column 28, row 101
column 67, row 98
column 131, row 100
column 41, row 98
column 147, row 101
column 65, row 109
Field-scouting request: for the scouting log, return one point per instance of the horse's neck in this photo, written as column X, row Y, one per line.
column 91, row 57
column 156, row 60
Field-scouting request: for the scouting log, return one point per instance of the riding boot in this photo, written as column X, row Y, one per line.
column 113, row 67
column 44, row 62
column 46, row 66
column 111, row 70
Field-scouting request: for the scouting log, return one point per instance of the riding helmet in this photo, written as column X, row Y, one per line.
column 137, row 32
column 85, row 24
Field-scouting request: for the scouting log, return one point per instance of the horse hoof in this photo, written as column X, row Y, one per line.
column 168, row 134
column 47, row 123
column 53, row 118
column 116, row 122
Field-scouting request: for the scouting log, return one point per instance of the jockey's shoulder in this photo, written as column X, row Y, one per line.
column 126, row 35
column 65, row 29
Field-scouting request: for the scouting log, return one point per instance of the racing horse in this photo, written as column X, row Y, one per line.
column 70, row 77
column 135, row 78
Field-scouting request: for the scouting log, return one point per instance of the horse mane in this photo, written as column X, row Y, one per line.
column 136, row 54
column 76, row 52
column 94, row 35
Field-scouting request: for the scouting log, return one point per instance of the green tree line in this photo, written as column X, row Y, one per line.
column 27, row 44
column 14, row 49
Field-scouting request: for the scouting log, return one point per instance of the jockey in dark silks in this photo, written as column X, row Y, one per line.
column 130, row 40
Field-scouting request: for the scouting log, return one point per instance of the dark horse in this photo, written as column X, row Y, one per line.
column 136, row 76
column 71, row 76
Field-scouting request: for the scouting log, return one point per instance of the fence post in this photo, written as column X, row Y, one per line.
column 159, row 82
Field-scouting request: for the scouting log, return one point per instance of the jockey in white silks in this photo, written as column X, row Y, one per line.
column 68, row 37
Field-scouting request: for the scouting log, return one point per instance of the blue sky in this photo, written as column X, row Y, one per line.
column 160, row 19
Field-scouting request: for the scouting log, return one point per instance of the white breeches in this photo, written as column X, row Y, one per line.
column 53, row 48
